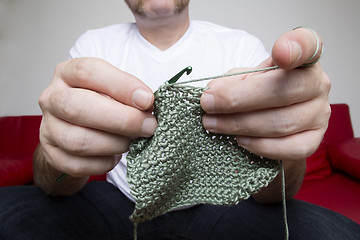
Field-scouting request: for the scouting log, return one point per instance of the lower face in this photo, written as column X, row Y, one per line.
column 157, row 8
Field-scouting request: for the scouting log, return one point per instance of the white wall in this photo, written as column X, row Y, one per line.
column 37, row 34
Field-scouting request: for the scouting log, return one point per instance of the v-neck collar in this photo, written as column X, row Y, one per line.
column 168, row 53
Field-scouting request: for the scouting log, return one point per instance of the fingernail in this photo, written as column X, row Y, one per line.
column 210, row 122
column 295, row 51
column 207, row 102
column 142, row 99
column 243, row 141
column 149, row 126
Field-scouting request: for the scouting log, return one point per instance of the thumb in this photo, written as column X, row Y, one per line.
column 296, row 48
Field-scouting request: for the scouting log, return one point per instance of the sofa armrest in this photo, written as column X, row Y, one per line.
column 345, row 156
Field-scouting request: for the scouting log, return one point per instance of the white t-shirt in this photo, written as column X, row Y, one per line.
column 208, row 48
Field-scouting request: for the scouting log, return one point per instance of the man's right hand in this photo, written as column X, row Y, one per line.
column 91, row 110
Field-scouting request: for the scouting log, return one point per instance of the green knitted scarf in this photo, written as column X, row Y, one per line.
column 183, row 164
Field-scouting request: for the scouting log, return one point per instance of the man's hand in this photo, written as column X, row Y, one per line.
column 91, row 110
column 280, row 114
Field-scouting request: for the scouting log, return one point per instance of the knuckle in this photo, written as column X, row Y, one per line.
column 75, row 140
column 282, row 124
column 44, row 99
column 43, row 131
column 47, row 133
column 83, row 68
column 237, row 125
column 244, row 124
column 227, row 98
column 322, row 80
column 59, row 68
column 326, row 113
column 70, row 105
column 127, row 122
column 122, row 122
column 231, row 99
column 44, row 149
column 323, row 119
column 326, row 82
column 322, row 114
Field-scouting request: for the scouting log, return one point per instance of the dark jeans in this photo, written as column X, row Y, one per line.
column 101, row 211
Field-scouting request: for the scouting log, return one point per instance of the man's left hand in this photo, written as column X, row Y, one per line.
column 279, row 114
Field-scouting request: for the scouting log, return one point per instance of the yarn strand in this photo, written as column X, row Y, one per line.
column 135, row 230
column 284, row 200
column 227, row 75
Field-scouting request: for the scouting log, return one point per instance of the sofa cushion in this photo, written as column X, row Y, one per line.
column 345, row 156
column 19, row 135
column 15, row 171
column 317, row 165
column 340, row 127
column 18, row 140
column 338, row 192
column 339, row 130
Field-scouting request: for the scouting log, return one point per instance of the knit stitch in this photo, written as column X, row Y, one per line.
column 183, row 164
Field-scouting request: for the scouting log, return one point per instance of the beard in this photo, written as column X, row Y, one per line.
column 139, row 8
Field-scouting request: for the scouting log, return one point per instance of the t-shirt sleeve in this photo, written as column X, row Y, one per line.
column 85, row 46
column 255, row 52
column 259, row 54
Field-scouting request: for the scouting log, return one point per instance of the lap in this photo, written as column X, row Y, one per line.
column 98, row 211
column 101, row 211
column 251, row 220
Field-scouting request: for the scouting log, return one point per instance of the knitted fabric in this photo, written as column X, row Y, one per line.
column 183, row 164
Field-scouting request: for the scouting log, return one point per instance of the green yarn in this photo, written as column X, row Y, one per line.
column 183, row 164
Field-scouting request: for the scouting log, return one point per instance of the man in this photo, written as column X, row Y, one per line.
column 101, row 99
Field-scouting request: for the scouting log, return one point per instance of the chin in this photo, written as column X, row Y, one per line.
column 160, row 13
column 154, row 9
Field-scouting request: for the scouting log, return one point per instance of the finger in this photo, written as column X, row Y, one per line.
column 239, row 70
column 301, row 145
column 297, row 47
column 100, row 76
column 263, row 90
column 90, row 109
column 78, row 166
column 274, row 122
column 81, row 141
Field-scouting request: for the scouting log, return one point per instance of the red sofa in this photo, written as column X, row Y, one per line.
column 333, row 172
column 19, row 136
column 332, row 177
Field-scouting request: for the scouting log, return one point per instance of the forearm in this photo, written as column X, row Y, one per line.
column 45, row 177
column 294, row 175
